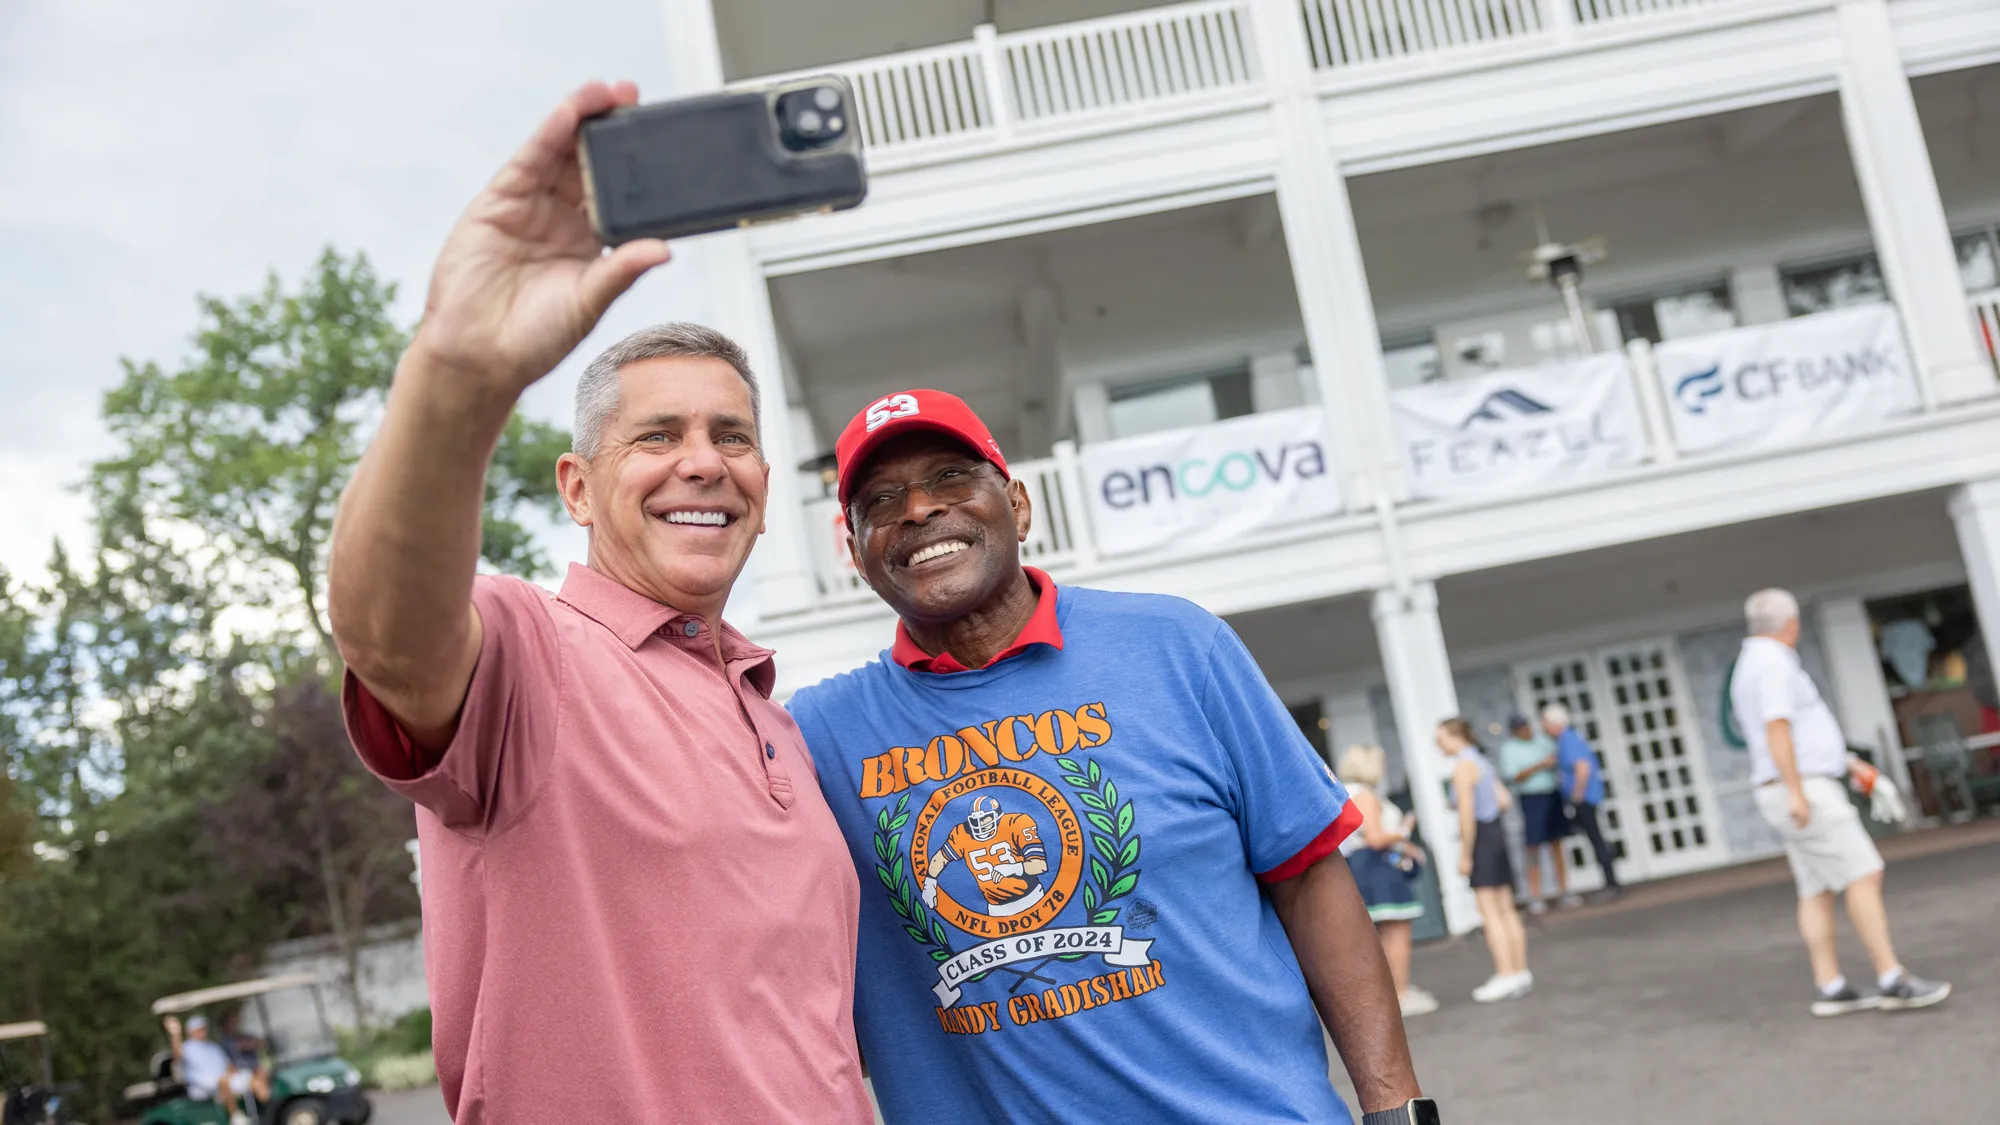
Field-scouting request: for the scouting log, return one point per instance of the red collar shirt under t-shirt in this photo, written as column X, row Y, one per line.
column 637, row 905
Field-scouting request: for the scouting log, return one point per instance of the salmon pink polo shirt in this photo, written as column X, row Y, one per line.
column 637, row 905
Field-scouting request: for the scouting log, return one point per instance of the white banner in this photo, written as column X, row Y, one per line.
column 1210, row 484
column 1519, row 429
column 1773, row 384
column 1108, row 942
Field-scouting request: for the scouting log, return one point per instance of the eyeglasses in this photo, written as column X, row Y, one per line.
column 884, row 505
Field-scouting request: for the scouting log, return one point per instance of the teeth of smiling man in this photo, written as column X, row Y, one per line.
column 703, row 519
column 937, row 550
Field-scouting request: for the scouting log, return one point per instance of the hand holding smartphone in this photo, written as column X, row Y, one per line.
column 722, row 160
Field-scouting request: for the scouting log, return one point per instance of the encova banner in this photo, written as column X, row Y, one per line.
column 1522, row 429
column 1210, row 484
column 1774, row 384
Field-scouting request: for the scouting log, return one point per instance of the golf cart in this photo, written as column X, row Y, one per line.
column 28, row 1102
column 284, row 1024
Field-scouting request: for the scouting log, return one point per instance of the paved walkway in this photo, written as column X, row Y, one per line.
column 1687, row 1004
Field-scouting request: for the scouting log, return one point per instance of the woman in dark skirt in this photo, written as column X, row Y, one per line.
column 1480, row 799
column 1382, row 858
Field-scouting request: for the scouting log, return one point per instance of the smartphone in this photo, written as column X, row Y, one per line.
column 722, row 160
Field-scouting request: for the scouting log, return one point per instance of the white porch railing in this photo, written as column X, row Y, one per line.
column 1345, row 33
column 1599, row 11
column 921, row 95
column 1147, row 56
column 983, row 89
column 1986, row 322
column 1059, row 538
column 980, row 92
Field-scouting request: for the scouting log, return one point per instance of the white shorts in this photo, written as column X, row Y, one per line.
column 1833, row 849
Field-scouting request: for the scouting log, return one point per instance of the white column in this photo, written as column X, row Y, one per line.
column 1274, row 381
column 1758, row 293
column 1326, row 260
column 1912, row 238
column 1859, row 690
column 740, row 306
column 1092, row 402
column 1975, row 512
column 1421, row 690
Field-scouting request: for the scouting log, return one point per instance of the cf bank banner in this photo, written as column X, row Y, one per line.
column 1774, row 384
column 1212, row 483
column 1519, row 429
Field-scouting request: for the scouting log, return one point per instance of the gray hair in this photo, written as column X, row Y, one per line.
column 1556, row 715
column 597, row 390
column 1767, row 611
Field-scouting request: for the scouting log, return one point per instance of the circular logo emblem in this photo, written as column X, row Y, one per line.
column 995, row 834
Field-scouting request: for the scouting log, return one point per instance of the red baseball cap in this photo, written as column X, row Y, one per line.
column 907, row 412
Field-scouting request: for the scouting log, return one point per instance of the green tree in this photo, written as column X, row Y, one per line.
column 178, row 791
column 237, row 457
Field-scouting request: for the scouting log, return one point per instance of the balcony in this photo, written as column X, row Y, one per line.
column 1000, row 89
column 1652, row 428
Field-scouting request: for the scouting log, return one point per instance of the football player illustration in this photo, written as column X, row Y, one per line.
column 1001, row 849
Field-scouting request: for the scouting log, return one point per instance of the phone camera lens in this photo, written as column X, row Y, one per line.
column 807, row 119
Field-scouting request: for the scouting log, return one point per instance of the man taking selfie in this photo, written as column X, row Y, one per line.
column 636, row 905
column 1100, row 861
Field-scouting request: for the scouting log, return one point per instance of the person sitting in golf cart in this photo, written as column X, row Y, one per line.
column 210, row 1074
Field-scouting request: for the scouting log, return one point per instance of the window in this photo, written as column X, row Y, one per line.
column 1979, row 259
column 1411, row 359
column 1184, row 400
column 1838, row 284
column 1684, row 311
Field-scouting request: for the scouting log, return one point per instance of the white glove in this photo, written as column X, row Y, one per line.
column 1013, row 869
column 930, row 891
column 1885, row 804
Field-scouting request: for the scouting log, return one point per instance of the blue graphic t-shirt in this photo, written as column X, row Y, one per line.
column 1060, row 913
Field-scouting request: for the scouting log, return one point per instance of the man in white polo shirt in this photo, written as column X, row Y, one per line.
column 1798, row 760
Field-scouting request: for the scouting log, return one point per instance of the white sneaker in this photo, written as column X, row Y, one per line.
column 240, row 1119
column 1417, row 1002
column 1509, row 986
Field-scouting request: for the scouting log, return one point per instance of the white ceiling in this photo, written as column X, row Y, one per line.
column 1136, row 291
column 1689, row 576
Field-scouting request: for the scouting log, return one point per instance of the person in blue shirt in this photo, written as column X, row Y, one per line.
column 1100, row 865
column 1583, row 787
column 1528, row 767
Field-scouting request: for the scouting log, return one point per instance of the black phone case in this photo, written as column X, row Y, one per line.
column 709, row 163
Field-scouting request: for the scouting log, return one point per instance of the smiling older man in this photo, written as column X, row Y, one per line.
column 636, row 906
column 1102, row 862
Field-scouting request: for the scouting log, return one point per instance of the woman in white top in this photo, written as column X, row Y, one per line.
column 1380, row 855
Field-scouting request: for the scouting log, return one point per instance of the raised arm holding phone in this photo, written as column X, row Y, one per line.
column 599, row 774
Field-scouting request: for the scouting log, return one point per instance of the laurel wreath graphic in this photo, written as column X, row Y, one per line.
column 904, row 896
column 1113, row 853
column 1114, row 846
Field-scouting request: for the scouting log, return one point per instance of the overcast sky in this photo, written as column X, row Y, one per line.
column 150, row 152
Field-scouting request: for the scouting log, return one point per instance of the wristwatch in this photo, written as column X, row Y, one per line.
column 1418, row 1111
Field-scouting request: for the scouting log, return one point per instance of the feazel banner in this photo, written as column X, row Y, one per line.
column 1212, row 483
column 1519, row 429
column 1773, row 384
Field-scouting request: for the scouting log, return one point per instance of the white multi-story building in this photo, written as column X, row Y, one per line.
column 1162, row 248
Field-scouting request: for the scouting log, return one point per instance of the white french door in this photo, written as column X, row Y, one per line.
column 1630, row 702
